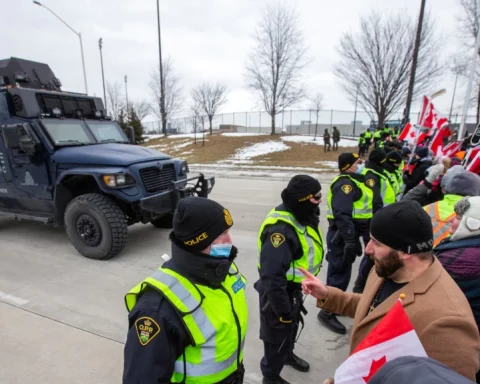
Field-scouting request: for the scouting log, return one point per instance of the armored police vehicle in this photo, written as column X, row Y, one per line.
column 64, row 162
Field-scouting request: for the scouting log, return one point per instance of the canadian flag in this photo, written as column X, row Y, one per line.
column 409, row 133
column 473, row 157
column 392, row 337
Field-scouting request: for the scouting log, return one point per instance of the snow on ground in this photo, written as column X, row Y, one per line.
column 319, row 141
column 186, row 153
column 243, row 134
column 187, row 136
column 158, row 146
column 180, row 146
column 259, row 149
column 330, row 164
column 257, row 167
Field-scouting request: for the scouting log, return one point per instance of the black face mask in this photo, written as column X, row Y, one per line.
column 306, row 212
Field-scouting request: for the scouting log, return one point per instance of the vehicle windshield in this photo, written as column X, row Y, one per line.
column 78, row 132
column 107, row 131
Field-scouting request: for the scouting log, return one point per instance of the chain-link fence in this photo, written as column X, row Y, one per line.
column 292, row 122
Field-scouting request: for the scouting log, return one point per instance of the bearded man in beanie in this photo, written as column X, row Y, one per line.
column 349, row 210
column 289, row 238
column 401, row 239
column 176, row 332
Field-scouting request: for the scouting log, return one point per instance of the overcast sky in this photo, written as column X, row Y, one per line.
column 206, row 39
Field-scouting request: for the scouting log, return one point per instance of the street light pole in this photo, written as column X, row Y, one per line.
column 414, row 62
column 355, row 114
column 100, row 45
column 162, row 82
column 76, row 33
column 126, row 92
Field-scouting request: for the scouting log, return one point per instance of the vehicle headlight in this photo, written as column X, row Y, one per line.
column 184, row 168
column 118, row 180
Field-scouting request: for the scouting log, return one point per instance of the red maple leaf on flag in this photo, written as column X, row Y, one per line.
column 376, row 365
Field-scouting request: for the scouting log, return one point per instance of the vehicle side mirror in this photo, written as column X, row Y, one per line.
column 18, row 137
column 27, row 145
column 131, row 134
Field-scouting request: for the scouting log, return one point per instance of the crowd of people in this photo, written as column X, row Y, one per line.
column 413, row 218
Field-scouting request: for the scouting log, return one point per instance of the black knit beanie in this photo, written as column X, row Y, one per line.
column 394, row 158
column 199, row 221
column 303, row 187
column 346, row 160
column 403, row 226
column 377, row 156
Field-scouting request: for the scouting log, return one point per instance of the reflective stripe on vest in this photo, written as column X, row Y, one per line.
column 203, row 365
column 442, row 212
column 387, row 191
column 312, row 244
column 362, row 208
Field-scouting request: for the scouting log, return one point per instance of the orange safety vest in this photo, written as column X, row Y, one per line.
column 442, row 212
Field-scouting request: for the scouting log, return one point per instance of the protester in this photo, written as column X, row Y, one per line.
column 459, row 254
column 417, row 172
column 401, row 247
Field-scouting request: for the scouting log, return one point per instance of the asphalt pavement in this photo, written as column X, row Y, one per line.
column 63, row 318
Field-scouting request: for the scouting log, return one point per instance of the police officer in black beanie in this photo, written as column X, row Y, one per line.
column 349, row 210
column 173, row 314
column 289, row 238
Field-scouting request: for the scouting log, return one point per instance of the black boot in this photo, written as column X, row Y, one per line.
column 297, row 363
column 331, row 322
column 274, row 380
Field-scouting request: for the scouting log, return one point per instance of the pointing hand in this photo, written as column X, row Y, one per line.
column 313, row 286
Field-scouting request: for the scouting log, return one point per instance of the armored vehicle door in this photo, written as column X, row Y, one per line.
column 26, row 173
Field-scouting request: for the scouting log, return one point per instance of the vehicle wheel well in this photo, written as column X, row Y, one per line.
column 71, row 187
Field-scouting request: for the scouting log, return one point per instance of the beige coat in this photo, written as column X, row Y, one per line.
column 437, row 308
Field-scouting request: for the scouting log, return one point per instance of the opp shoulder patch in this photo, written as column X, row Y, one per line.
column 370, row 183
column 147, row 329
column 347, row 189
column 277, row 239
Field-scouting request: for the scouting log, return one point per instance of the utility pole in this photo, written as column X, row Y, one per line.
column 162, row 82
column 100, row 45
column 126, row 92
column 414, row 62
column 355, row 114
column 456, row 69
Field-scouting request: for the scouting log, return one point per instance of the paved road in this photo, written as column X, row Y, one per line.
column 62, row 316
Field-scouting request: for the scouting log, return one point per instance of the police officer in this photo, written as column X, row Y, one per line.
column 289, row 238
column 383, row 194
column 368, row 139
column 349, row 210
column 176, row 332
column 362, row 144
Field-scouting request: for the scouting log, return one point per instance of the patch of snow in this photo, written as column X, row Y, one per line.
column 319, row 140
column 186, row 153
column 243, row 134
column 237, row 161
column 331, row 164
column 180, row 146
column 259, row 149
column 187, row 136
column 257, row 167
column 158, row 146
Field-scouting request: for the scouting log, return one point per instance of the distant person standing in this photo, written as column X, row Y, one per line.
column 336, row 138
column 368, row 139
column 362, row 145
column 326, row 141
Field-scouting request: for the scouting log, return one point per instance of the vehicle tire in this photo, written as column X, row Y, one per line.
column 96, row 226
column 164, row 222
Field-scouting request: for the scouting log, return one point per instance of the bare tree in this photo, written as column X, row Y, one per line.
column 276, row 62
column 468, row 29
column 115, row 100
column 173, row 91
column 209, row 97
column 141, row 108
column 376, row 62
column 317, row 106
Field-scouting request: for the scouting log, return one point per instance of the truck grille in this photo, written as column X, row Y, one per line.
column 155, row 180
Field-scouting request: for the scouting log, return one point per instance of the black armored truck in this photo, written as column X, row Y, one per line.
column 64, row 162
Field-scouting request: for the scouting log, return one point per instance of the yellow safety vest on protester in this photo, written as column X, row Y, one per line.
column 312, row 244
column 386, row 190
column 217, row 330
column 362, row 208
column 441, row 213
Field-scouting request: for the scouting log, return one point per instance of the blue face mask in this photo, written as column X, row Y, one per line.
column 220, row 250
column 360, row 169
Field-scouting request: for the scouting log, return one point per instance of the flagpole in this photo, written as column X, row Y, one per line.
column 462, row 129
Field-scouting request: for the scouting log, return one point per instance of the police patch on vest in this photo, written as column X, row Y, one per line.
column 370, row 183
column 238, row 285
column 347, row 189
column 277, row 239
column 147, row 329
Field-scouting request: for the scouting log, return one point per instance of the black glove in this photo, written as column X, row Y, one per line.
column 358, row 248
column 349, row 253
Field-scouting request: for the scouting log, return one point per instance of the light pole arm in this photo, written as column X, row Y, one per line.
column 58, row 17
